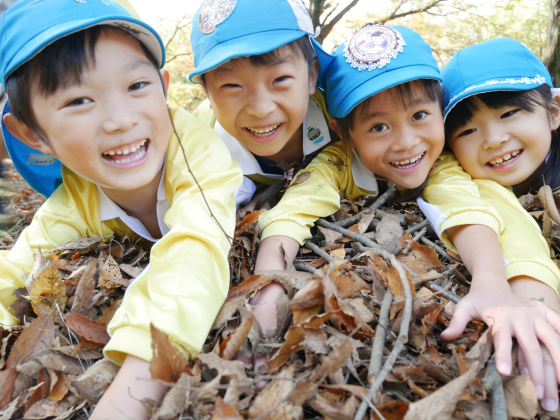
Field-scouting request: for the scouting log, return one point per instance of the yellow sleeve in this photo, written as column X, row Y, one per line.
column 526, row 252
column 318, row 196
column 59, row 220
column 187, row 280
column 205, row 114
column 454, row 200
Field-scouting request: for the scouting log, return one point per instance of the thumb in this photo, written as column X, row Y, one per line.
column 460, row 319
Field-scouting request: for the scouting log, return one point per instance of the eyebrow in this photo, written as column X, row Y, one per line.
column 366, row 116
column 136, row 64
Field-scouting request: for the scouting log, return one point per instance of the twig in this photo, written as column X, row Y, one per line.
column 349, row 234
column 493, row 382
column 415, row 239
column 444, row 292
column 401, row 340
column 373, row 407
column 305, row 267
column 320, row 252
column 438, row 249
column 418, row 226
column 376, row 358
column 378, row 203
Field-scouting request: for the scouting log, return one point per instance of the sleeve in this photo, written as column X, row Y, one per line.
column 318, row 196
column 205, row 114
column 57, row 222
column 188, row 277
column 451, row 198
column 525, row 250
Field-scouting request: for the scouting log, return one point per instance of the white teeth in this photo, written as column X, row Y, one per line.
column 119, row 152
column 264, row 130
column 504, row 159
column 111, row 152
column 133, row 149
column 411, row 161
column 126, row 151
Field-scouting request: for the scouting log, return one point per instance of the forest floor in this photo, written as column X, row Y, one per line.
column 358, row 332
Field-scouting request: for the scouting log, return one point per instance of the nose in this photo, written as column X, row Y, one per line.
column 494, row 137
column 261, row 104
column 405, row 140
column 119, row 115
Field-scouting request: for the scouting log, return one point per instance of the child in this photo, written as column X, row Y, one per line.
column 258, row 64
column 502, row 124
column 390, row 117
column 84, row 84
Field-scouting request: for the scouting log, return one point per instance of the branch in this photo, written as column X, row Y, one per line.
column 325, row 30
column 388, row 195
column 376, row 358
column 177, row 55
column 395, row 15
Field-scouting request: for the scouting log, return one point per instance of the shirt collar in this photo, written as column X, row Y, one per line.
column 315, row 136
column 363, row 177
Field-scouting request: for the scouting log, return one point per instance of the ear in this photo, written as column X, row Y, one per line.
column 334, row 125
column 313, row 75
column 25, row 134
column 165, row 77
column 555, row 112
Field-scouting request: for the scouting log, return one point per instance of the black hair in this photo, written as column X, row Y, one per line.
column 301, row 46
column 528, row 100
column 59, row 65
column 431, row 87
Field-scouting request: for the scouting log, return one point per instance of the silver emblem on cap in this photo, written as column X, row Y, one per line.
column 373, row 47
column 214, row 12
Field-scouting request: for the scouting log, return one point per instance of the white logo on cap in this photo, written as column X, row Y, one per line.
column 302, row 16
column 373, row 47
column 214, row 12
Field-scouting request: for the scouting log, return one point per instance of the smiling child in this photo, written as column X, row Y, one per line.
column 84, row 85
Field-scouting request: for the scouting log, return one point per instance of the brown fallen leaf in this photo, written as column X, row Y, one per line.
column 7, row 385
column 48, row 291
column 521, row 397
column 300, row 179
column 248, row 223
column 36, row 337
column 85, row 290
column 175, row 400
column 110, row 313
column 547, row 200
column 249, row 286
column 111, row 276
column 223, row 411
column 86, row 328
column 91, row 384
column 427, row 256
column 168, row 360
column 230, row 346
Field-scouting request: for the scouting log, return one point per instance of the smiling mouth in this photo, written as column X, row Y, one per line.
column 263, row 131
column 408, row 163
column 127, row 154
column 505, row 159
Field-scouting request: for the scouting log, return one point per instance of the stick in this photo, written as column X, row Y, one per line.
column 376, row 358
column 444, row 292
column 349, row 234
column 415, row 239
column 418, row 226
column 305, row 267
column 438, row 249
column 388, row 195
column 320, row 252
column 493, row 382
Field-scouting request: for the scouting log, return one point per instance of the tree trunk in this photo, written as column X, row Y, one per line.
column 552, row 52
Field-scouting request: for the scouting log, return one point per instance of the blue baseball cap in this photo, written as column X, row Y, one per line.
column 28, row 27
column 493, row 65
column 376, row 58
column 226, row 29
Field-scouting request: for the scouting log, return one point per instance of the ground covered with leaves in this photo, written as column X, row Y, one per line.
column 358, row 332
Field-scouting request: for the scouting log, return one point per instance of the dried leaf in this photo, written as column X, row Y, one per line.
column 175, row 400
column 110, row 313
column 82, row 245
column 249, row 286
column 85, row 290
column 427, row 256
column 330, row 235
column 36, row 337
column 7, row 386
column 48, row 291
column 90, row 330
column 301, row 178
column 225, row 411
column 230, row 346
column 168, row 361
column 91, row 384
column 41, row 263
column 547, row 200
column 111, row 276
column 521, row 397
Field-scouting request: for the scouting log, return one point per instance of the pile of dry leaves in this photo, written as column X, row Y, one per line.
column 358, row 332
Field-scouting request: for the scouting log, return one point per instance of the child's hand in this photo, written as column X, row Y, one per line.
column 531, row 322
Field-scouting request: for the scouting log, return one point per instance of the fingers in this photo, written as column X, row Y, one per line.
column 533, row 356
column 458, row 323
column 550, row 400
column 259, row 361
column 502, row 344
column 547, row 335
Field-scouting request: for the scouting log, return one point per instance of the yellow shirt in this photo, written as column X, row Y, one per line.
column 454, row 199
column 187, row 280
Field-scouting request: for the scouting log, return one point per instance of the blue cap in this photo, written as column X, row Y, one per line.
column 496, row 64
column 29, row 26
column 376, row 58
column 226, row 29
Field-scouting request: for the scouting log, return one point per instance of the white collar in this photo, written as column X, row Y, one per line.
column 109, row 210
column 363, row 177
column 316, row 135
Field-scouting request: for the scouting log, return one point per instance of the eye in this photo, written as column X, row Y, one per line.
column 79, row 101
column 509, row 113
column 280, row 79
column 379, row 128
column 419, row 116
column 466, row 132
column 138, row 85
column 230, row 86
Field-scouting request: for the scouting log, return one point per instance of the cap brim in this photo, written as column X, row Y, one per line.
column 500, row 84
column 385, row 81
column 244, row 46
column 143, row 32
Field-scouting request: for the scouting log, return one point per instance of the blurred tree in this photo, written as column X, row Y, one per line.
column 552, row 52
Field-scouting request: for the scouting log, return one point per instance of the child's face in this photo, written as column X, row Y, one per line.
column 504, row 145
column 113, row 127
column 398, row 143
column 263, row 107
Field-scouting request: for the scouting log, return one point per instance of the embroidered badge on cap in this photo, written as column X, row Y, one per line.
column 302, row 16
column 373, row 47
column 214, row 12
